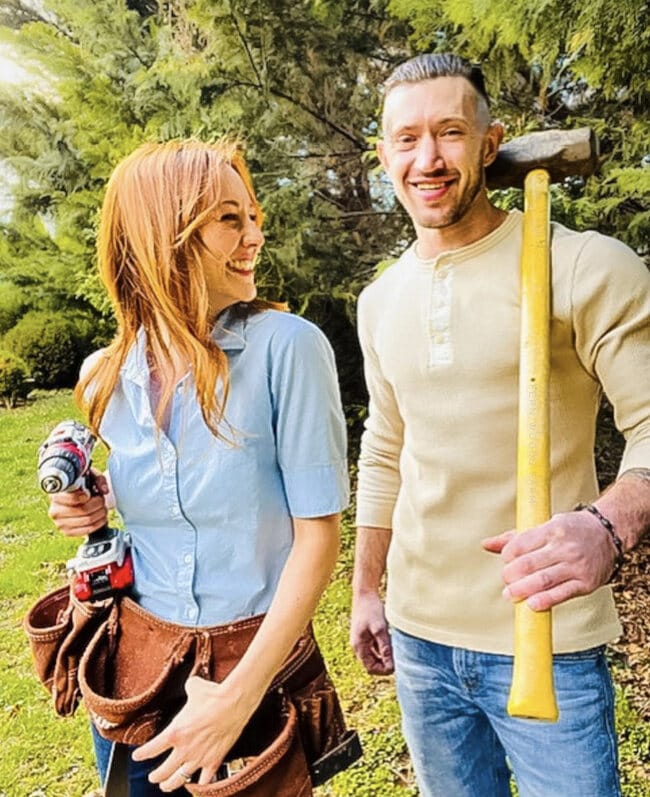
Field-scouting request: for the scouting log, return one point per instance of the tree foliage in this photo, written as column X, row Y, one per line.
column 299, row 82
column 563, row 63
column 296, row 81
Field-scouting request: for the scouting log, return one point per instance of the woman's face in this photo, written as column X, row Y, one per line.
column 233, row 239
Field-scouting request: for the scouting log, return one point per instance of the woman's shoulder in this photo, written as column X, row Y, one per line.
column 281, row 325
column 91, row 361
column 285, row 336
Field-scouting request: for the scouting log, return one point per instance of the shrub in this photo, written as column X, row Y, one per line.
column 52, row 344
column 13, row 304
column 14, row 378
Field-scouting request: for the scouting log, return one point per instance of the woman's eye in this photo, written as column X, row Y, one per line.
column 229, row 217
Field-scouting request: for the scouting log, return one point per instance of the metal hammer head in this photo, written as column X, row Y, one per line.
column 563, row 153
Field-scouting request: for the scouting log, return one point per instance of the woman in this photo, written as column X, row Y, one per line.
column 227, row 442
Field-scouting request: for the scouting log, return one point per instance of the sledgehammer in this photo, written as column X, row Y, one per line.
column 534, row 161
column 561, row 153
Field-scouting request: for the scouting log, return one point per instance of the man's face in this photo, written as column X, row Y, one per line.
column 437, row 141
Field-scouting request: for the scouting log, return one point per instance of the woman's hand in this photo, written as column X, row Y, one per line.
column 200, row 735
column 209, row 724
column 78, row 513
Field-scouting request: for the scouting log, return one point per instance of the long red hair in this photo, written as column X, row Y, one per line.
column 149, row 252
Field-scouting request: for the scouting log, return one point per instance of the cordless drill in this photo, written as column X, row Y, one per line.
column 103, row 565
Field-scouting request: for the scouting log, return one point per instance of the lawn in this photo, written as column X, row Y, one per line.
column 44, row 756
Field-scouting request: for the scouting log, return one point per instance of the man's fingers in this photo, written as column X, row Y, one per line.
column 542, row 601
column 374, row 651
column 497, row 543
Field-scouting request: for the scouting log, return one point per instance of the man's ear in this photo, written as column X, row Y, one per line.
column 493, row 139
column 381, row 154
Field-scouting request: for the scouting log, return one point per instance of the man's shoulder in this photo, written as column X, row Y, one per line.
column 568, row 238
column 388, row 274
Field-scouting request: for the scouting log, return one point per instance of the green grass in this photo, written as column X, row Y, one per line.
column 45, row 756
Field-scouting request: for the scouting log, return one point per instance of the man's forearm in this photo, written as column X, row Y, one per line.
column 370, row 555
column 626, row 503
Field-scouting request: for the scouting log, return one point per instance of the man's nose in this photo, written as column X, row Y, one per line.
column 429, row 156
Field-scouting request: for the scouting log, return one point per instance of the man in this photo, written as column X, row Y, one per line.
column 440, row 336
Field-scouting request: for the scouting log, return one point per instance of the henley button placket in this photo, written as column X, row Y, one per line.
column 440, row 346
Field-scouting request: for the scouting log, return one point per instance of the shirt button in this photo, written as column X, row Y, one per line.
column 187, row 558
column 191, row 612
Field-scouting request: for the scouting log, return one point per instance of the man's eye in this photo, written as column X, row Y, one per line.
column 404, row 140
column 453, row 132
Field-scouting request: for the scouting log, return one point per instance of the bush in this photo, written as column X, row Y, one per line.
column 14, row 379
column 13, row 304
column 52, row 344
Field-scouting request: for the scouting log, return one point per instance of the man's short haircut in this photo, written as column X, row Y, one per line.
column 433, row 65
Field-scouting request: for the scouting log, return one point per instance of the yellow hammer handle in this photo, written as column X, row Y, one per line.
column 531, row 692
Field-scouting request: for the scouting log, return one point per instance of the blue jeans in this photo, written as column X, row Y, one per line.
column 139, row 786
column 463, row 743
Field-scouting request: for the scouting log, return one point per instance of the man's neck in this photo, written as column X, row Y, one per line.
column 474, row 225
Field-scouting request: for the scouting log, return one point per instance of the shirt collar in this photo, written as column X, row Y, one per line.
column 228, row 334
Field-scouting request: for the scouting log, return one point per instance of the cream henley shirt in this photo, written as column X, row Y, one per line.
column 438, row 456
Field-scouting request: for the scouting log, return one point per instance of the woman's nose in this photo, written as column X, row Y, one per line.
column 252, row 235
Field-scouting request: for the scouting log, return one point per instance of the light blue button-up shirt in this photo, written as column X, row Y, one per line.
column 211, row 522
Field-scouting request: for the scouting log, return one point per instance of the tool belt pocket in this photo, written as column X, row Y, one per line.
column 268, row 758
column 329, row 747
column 132, row 675
column 59, row 628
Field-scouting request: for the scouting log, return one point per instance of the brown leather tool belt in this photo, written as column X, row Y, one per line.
column 130, row 667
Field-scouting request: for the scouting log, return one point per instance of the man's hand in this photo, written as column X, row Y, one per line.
column 369, row 635
column 569, row 555
column 78, row 513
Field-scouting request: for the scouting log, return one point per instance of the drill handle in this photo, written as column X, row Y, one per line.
column 90, row 482
column 91, row 487
column 99, row 534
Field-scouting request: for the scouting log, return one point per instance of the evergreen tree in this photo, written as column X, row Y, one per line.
column 299, row 83
column 296, row 81
column 563, row 63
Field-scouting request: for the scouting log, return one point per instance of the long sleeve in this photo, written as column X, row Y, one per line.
column 381, row 442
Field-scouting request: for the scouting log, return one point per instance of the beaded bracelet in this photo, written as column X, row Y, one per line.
column 609, row 528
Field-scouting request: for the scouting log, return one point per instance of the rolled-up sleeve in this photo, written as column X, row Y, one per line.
column 308, row 419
